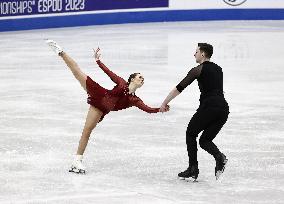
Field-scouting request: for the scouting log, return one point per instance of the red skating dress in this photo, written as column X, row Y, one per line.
column 116, row 99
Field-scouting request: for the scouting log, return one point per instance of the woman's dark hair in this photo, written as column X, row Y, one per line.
column 132, row 76
column 206, row 48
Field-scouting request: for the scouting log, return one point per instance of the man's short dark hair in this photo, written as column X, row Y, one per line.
column 206, row 48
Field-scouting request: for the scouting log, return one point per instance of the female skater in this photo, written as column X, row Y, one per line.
column 101, row 100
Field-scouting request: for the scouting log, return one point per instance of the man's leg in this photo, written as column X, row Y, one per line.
column 210, row 132
column 206, row 141
column 195, row 126
column 193, row 129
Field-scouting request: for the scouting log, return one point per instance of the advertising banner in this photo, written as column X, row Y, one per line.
column 34, row 7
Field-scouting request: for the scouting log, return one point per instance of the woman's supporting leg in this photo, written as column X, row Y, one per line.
column 75, row 69
column 93, row 117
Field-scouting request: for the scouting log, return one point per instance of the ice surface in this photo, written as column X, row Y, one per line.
column 132, row 156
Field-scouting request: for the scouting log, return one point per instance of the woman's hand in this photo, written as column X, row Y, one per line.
column 97, row 55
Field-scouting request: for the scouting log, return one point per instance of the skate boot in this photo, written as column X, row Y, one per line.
column 191, row 172
column 221, row 161
column 77, row 165
column 54, row 46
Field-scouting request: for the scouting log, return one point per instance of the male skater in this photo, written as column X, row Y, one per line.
column 211, row 114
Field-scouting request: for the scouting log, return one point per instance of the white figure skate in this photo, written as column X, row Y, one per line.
column 77, row 165
column 54, row 46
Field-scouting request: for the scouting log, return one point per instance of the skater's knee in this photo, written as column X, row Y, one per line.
column 202, row 143
column 77, row 73
column 191, row 134
column 87, row 131
column 89, row 128
column 190, row 139
column 80, row 76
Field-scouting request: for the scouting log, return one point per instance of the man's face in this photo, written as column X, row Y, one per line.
column 199, row 56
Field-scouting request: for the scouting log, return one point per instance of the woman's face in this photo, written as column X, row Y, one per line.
column 138, row 80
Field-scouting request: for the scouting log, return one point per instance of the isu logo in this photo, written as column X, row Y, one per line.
column 234, row 2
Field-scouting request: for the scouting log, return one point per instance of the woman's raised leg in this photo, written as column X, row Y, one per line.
column 73, row 66
column 75, row 69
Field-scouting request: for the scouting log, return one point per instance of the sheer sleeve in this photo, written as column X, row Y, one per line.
column 139, row 104
column 190, row 77
column 116, row 79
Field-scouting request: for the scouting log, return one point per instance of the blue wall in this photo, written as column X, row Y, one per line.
column 139, row 17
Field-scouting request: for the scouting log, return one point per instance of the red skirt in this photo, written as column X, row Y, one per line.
column 97, row 96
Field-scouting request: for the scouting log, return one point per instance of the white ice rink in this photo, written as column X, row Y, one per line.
column 134, row 157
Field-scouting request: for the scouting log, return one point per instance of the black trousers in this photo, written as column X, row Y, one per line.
column 209, row 118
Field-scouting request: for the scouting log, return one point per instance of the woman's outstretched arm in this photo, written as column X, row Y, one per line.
column 115, row 78
column 140, row 104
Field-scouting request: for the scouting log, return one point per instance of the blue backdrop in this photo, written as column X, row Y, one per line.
column 31, row 7
column 16, row 14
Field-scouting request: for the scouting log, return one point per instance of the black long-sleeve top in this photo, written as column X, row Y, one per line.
column 210, row 80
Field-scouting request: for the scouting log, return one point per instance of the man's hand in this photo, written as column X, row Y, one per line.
column 97, row 55
column 164, row 108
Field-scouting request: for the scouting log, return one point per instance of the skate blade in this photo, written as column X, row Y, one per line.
column 77, row 171
column 190, row 179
